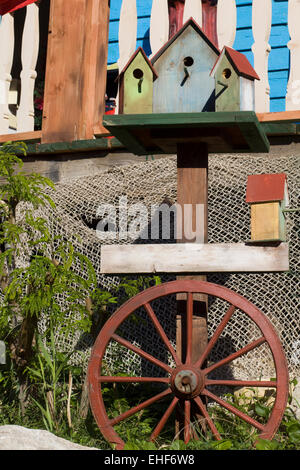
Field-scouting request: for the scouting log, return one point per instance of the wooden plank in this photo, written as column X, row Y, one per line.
column 76, row 69
column 284, row 116
column 193, row 258
column 34, row 136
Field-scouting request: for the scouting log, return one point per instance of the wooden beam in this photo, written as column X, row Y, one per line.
column 284, row 116
column 34, row 136
column 76, row 69
column 193, row 258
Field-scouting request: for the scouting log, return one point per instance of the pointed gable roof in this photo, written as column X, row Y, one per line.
column 191, row 22
column 140, row 49
column 239, row 61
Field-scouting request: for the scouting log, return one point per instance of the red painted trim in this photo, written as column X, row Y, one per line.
column 7, row 6
column 266, row 188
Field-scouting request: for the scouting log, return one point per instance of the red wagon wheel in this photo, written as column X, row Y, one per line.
column 187, row 383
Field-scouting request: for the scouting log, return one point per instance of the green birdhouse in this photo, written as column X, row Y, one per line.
column 234, row 82
column 136, row 85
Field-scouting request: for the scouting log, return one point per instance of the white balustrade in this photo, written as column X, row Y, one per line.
column 6, row 59
column 159, row 25
column 261, row 27
column 29, row 55
column 24, row 120
column 226, row 22
column 293, row 88
column 127, row 32
column 193, row 9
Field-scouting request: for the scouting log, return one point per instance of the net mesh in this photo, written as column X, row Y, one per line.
column 154, row 182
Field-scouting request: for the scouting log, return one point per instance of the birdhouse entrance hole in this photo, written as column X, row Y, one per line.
column 139, row 74
column 226, row 73
column 188, row 61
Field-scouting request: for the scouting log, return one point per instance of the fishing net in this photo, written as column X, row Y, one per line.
column 154, row 182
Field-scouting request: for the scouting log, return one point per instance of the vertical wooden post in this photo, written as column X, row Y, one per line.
column 76, row 69
column 192, row 189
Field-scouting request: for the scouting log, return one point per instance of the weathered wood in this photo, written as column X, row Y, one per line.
column 193, row 258
column 183, row 67
column 76, row 69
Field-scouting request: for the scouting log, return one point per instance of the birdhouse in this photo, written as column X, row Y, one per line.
column 183, row 66
column 234, row 82
column 268, row 197
column 136, row 85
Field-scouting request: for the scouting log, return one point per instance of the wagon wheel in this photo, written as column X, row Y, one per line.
column 186, row 383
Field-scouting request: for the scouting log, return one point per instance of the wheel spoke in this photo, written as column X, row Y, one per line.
column 162, row 333
column 208, row 419
column 139, row 407
column 104, row 378
column 187, row 421
column 216, row 336
column 235, row 355
column 243, row 383
column 164, row 419
column 234, row 410
column 189, row 328
column 141, row 353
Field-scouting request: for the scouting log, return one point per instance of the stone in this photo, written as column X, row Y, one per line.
column 20, row 438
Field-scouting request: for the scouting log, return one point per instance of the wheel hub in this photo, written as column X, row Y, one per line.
column 187, row 381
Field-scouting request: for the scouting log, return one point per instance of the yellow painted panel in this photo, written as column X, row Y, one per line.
column 265, row 223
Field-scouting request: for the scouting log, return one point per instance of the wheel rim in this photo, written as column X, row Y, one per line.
column 187, row 382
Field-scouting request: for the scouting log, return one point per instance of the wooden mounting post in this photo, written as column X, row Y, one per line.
column 192, row 189
column 76, row 70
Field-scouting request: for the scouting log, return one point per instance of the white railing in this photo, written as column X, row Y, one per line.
column 226, row 30
column 23, row 121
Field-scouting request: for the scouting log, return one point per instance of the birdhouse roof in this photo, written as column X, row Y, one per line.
column 191, row 22
column 239, row 61
column 140, row 49
column 267, row 188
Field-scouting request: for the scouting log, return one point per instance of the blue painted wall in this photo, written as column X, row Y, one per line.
column 279, row 57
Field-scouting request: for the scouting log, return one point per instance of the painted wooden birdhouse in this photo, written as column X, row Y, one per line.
column 136, row 85
column 183, row 66
column 268, row 197
column 234, row 82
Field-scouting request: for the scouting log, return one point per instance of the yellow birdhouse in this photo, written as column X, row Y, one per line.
column 268, row 196
column 136, row 85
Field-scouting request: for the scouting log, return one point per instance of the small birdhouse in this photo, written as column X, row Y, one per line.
column 268, row 197
column 183, row 65
column 136, row 85
column 234, row 82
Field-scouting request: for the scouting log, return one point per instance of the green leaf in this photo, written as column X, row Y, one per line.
column 223, row 445
column 293, row 431
column 262, row 410
column 263, row 444
column 178, row 445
